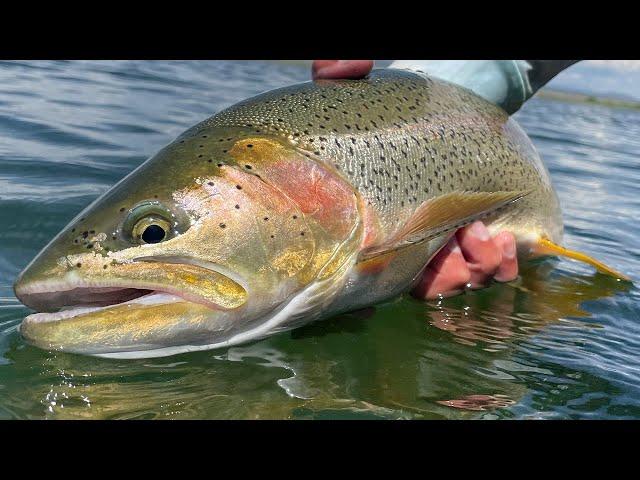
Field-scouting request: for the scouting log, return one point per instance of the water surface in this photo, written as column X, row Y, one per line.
column 561, row 342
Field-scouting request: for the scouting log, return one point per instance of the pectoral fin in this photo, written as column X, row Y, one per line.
column 547, row 247
column 440, row 215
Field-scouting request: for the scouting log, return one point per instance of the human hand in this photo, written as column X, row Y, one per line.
column 329, row 69
column 471, row 258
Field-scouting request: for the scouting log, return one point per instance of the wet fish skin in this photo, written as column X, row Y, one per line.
column 271, row 202
column 401, row 138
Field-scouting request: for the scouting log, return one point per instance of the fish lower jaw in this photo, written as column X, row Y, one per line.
column 283, row 318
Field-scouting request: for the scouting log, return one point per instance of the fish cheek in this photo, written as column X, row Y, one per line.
column 319, row 192
column 252, row 229
column 327, row 203
column 272, row 214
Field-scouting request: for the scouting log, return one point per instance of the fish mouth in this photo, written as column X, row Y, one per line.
column 60, row 299
column 142, row 307
column 65, row 298
column 83, row 301
column 150, row 320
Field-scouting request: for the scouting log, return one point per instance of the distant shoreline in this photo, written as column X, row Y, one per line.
column 591, row 99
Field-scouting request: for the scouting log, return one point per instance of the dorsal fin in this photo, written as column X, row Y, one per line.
column 441, row 214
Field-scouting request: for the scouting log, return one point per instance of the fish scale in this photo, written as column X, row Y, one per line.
column 401, row 138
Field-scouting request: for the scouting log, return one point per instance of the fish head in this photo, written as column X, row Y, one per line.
column 198, row 245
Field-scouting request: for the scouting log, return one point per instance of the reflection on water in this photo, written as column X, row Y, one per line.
column 560, row 342
column 455, row 359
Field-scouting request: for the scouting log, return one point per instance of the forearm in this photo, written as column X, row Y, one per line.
column 507, row 83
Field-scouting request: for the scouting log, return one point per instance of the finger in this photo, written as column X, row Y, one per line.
column 508, row 269
column 328, row 69
column 446, row 275
column 482, row 254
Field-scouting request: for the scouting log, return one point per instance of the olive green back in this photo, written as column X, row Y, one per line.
column 401, row 138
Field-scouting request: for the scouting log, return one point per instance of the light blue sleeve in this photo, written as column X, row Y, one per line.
column 503, row 82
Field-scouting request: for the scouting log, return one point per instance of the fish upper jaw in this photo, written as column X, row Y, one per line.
column 113, row 283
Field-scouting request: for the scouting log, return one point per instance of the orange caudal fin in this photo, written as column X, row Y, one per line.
column 547, row 247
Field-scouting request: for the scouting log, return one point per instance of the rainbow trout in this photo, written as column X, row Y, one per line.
column 286, row 208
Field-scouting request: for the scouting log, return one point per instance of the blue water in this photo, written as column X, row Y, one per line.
column 561, row 342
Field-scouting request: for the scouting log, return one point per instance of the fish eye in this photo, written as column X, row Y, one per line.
column 153, row 234
column 150, row 222
column 151, row 229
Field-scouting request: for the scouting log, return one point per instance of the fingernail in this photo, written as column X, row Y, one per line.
column 509, row 250
column 454, row 247
column 479, row 231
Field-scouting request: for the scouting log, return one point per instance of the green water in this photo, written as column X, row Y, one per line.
column 561, row 342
